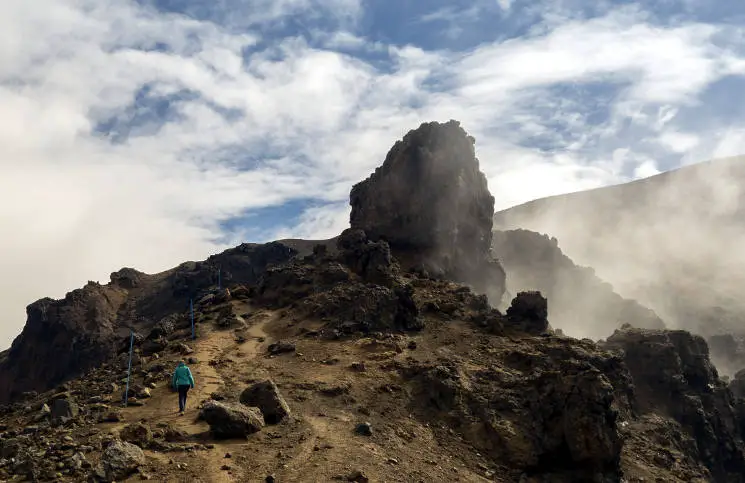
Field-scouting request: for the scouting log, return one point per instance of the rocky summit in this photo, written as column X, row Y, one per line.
column 375, row 356
column 431, row 203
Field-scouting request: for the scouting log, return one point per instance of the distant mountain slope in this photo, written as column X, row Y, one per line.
column 579, row 303
column 675, row 242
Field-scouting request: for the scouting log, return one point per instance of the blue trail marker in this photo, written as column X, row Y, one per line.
column 129, row 368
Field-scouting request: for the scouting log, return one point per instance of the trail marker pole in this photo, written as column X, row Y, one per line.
column 191, row 309
column 219, row 278
column 129, row 368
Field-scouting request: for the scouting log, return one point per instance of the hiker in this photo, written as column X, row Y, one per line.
column 182, row 382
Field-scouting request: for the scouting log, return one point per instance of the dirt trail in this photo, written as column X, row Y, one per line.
column 162, row 407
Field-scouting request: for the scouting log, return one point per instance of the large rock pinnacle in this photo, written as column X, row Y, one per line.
column 431, row 203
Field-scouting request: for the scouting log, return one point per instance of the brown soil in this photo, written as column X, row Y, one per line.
column 327, row 398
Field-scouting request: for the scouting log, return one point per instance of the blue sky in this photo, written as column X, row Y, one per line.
column 144, row 133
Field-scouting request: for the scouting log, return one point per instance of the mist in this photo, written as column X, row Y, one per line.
column 673, row 242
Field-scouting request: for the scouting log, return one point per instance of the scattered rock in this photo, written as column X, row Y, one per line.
column 265, row 396
column 63, row 410
column 184, row 349
column 364, row 429
column 119, row 460
column 281, row 347
column 138, row 434
column 358, row 477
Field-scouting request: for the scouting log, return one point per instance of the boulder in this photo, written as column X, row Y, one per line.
column 63, row 410
column 430, row 203
column 138, row 434
column 265, row 396
column 281, row 347
column 528, row 313
column 228, row 420
column 165, row 327
column 119, row 460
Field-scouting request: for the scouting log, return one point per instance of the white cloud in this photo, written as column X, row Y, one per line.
column 678, row 142
column 307, row 123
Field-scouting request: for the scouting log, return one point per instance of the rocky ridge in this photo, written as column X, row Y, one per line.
column 342, row 361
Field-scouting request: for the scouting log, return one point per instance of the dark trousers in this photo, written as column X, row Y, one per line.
column 182, row 390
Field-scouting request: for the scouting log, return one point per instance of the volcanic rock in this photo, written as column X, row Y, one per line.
column 674, row 377
column 63, row 410
column 430, row 202
column 138, row 434
column 228, row 420
column 529, row 313
column 119, row 460
column 265, row 396
column 550, row 408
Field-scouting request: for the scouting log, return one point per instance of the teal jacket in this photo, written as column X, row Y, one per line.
column 182, row 376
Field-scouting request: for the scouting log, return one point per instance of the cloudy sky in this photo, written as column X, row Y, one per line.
column 145, row 133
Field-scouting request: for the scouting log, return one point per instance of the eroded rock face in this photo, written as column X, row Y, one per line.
column 549, row 409
column 431, row 203
column 674, row 377
column 61, row 339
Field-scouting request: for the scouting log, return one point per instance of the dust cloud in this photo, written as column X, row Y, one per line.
column 673, row 242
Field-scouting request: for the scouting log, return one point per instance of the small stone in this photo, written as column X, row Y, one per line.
column 364, row 429
column 270, row 479
column 358, row 477
column 225, row 468
column 393, row 461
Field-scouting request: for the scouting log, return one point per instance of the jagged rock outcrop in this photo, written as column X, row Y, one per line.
column 61, row 339
column 528, row 313
column 357, row 289
column 549, row 409
column 579, row 302
column 674, row 377
column 431, row 203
